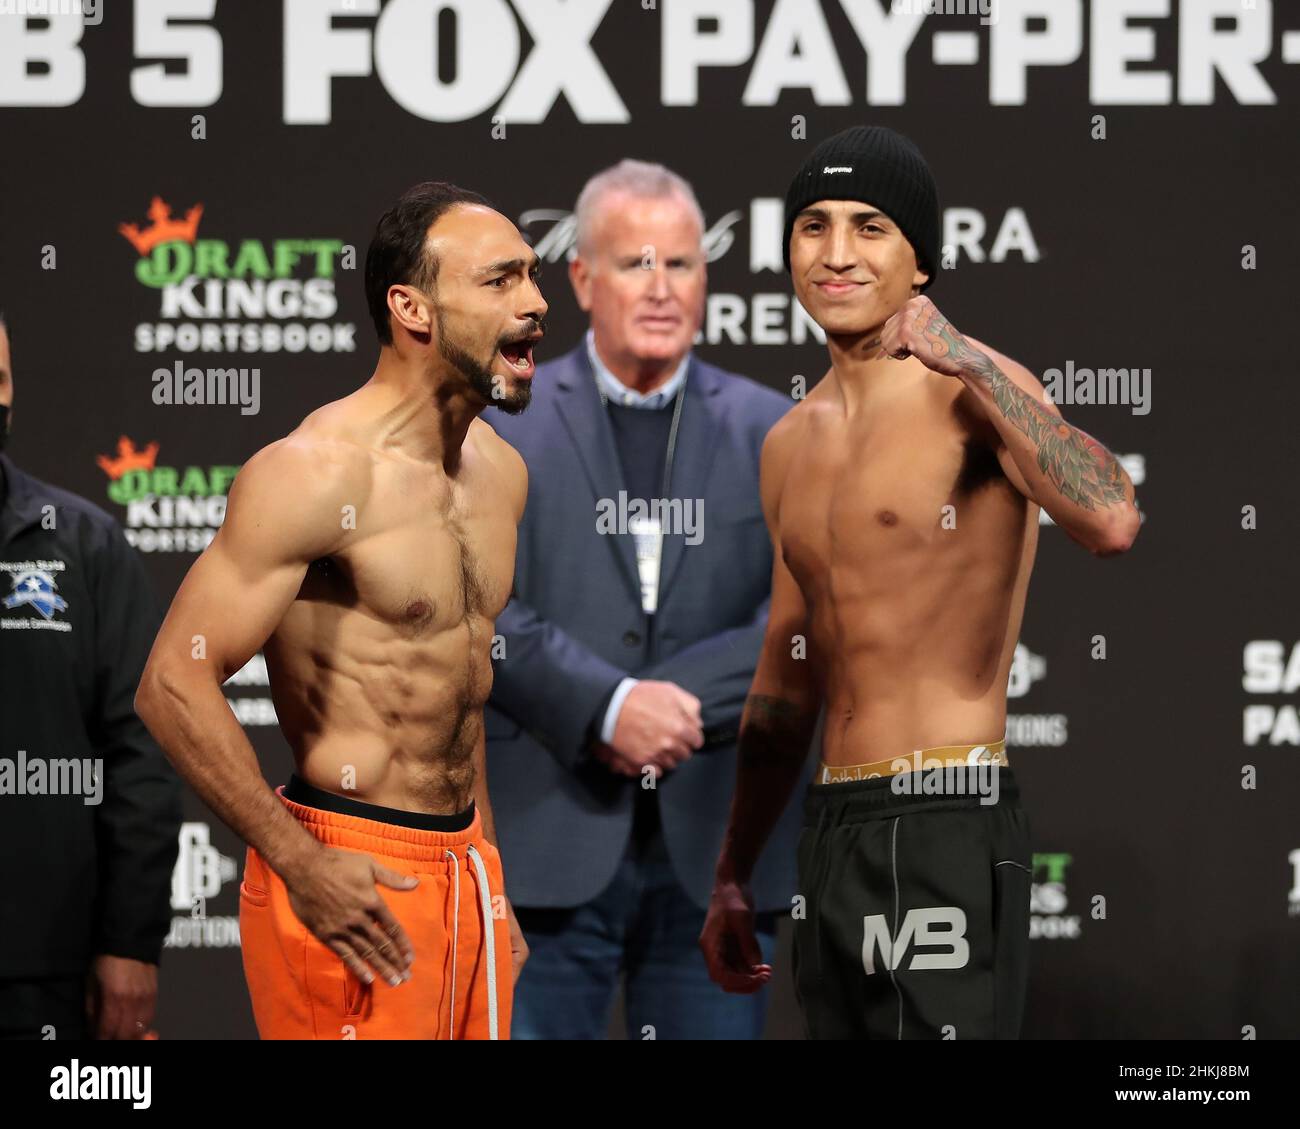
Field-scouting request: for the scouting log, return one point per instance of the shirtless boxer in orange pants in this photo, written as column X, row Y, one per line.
column 368, row 553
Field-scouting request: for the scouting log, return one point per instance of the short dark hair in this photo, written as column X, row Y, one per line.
column 397, row 254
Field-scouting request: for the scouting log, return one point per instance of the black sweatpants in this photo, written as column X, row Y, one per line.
column 916, row 921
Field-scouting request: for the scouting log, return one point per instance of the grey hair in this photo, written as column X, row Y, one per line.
column 636, row 178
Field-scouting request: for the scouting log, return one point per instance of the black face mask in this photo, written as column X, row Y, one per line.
column 4, row 425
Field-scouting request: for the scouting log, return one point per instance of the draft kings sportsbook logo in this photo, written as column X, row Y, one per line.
column 168, row 509
column 243, row 296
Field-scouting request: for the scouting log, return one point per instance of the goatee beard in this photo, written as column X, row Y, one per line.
column 491, row 387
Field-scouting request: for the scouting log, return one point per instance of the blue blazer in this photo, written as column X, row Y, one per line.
column 574, row 628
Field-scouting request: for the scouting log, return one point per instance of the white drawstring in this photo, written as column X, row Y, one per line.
column 489, row 939
column 455, row 931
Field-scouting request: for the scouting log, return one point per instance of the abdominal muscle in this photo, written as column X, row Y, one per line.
column 376, row 715
column 921, row 666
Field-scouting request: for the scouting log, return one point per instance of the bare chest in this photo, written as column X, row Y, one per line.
column 880, row 491
column 423, row 560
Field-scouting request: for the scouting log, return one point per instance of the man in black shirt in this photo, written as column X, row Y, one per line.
column 89, row 809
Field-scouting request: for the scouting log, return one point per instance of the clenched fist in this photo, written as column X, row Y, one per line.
column 921, row 331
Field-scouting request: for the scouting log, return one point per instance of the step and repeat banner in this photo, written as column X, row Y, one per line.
column 191, row 184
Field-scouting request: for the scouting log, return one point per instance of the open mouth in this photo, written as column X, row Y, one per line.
column 519, row 356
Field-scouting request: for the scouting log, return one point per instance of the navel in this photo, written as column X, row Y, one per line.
column 886, row 517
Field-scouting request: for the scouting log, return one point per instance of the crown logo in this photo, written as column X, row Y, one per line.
column 128, row 458
column 164, row 229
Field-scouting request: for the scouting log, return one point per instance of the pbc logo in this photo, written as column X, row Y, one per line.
column 200, row 870
column 933, row 926
column 1026, row 669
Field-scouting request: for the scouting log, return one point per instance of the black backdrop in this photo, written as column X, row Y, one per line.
column 1146, row 223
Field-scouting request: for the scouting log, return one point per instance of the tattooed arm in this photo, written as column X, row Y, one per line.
column 781, row 710
column 1064, row 470
column 775, row 730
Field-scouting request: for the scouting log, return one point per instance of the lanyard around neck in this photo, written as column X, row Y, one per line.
column 678, row 401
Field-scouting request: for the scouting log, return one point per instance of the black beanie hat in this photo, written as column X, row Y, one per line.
column 878, row 166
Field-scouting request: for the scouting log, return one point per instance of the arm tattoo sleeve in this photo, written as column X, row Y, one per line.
column 1071, row 460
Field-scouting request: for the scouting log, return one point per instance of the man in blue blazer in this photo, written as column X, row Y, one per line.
column 625, row 654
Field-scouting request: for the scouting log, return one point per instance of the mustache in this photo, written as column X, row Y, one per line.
column 535, row 333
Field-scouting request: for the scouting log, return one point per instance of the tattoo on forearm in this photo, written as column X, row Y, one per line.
column 774, row 730
column 1071, row 460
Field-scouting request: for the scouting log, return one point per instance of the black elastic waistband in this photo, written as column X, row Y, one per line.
column 871, row 799
column 300, row 792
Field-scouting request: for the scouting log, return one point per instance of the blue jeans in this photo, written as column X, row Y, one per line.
column 645, row 928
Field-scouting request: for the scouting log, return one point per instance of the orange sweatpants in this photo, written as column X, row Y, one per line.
column 302, row 990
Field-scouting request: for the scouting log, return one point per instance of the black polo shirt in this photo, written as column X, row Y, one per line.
column 77, row 620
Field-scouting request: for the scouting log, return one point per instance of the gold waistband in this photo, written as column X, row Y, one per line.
column 944, row 756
